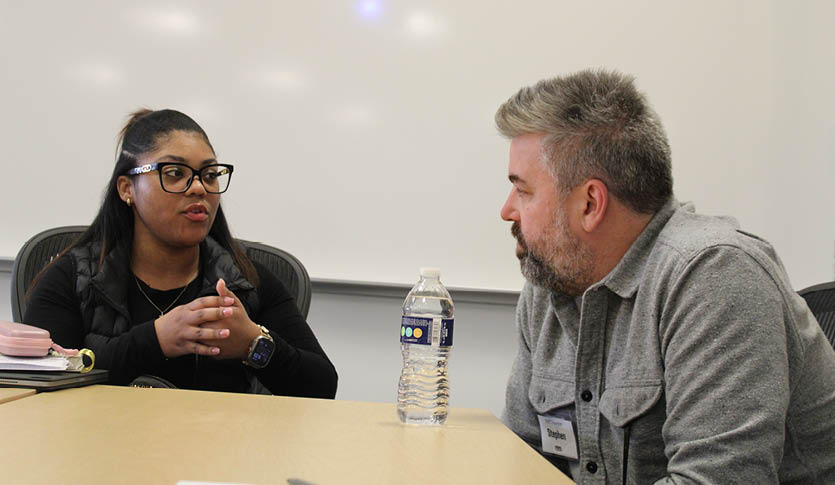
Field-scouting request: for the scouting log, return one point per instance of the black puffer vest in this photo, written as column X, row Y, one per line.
column 102, row 292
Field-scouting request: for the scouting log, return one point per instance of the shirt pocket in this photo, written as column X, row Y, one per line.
column 622, row 405
column 548, row 393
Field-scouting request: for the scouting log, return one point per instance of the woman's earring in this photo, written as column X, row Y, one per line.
column 128, row 201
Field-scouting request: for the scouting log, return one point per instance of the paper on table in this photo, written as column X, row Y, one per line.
column 33, row 363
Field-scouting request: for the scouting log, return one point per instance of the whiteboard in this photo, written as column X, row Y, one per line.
column 362, row 131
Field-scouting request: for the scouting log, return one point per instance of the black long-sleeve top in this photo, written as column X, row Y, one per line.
column 299, row 366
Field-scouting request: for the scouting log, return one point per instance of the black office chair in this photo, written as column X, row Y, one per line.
column 38, row 251
column 286, row 267
column 821, row 300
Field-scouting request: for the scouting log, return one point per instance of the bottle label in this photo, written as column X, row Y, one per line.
column 426, row 331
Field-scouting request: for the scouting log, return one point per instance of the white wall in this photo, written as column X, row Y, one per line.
column 362, row 130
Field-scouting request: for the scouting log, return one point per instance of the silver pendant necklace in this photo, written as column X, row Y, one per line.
column 160, row 310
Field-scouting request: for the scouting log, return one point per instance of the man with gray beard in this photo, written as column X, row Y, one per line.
column 656, row 345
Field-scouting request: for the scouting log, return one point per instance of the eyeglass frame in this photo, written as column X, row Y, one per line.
column 158, row 166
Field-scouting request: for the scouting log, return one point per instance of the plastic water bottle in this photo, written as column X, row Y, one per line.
column 426, row 342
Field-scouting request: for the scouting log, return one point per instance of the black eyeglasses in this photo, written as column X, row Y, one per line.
column 176, row 178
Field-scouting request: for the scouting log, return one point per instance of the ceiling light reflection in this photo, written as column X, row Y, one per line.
column 98, row 73
column 369, row 9
column 282, row 79
column 424, row 24
column 171, row 20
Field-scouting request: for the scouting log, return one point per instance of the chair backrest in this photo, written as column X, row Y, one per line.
column 35, row 254
column 821, row 300
column 286, row 267
column 42, row 248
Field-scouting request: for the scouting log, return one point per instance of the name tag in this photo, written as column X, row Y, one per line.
column 558, row 437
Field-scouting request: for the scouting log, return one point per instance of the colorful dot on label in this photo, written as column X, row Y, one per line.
column 402, row 331
column 408, row 331
column 418, row 333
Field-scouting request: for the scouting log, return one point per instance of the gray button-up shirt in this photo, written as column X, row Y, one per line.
column 697, row 347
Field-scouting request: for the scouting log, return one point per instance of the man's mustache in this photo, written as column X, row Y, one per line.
column 516, row 230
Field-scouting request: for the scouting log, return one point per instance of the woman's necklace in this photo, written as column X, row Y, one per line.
column 161, row 311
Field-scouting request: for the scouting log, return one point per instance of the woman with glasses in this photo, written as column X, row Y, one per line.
column 157, row 285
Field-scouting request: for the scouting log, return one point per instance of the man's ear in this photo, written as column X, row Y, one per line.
column 595, row 196
column 124, row 185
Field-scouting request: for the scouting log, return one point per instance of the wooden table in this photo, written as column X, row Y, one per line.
column 9, row 394
column 106, row 434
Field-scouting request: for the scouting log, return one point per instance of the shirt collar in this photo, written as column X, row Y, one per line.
column 626, row 276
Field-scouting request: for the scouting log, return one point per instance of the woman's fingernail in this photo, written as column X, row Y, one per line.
column 227, row 311
column 228, row 301
column 215, row 350
column 224, row 332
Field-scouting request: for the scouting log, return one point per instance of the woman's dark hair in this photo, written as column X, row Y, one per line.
column 113, row 225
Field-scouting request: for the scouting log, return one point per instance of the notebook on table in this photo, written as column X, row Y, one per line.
column 51, row 381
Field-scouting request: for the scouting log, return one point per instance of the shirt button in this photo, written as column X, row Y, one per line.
column 586, row 396
column 591, row 467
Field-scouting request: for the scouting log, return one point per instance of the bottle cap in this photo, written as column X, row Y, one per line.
column 430, row 272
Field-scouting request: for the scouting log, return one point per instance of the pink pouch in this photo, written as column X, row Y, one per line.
column 23, row 340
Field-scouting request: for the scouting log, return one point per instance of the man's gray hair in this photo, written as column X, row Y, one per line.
column 596, row 125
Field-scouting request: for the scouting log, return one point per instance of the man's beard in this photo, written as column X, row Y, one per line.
column 570, row 262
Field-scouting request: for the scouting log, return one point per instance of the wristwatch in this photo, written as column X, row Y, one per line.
column 260, row 350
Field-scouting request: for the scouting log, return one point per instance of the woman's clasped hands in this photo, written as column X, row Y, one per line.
column 218, row 326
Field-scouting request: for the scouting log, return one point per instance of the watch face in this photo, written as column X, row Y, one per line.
column 262, row 352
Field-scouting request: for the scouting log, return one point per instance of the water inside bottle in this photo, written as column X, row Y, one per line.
column 423, row 393
column 423, row 390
